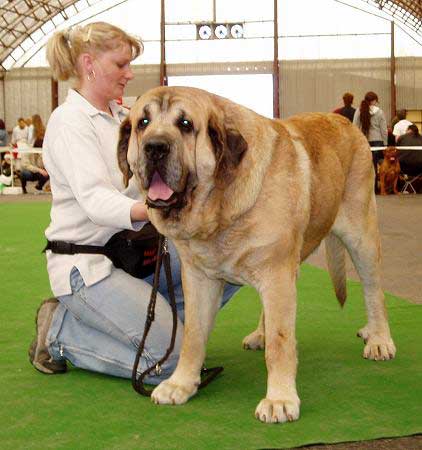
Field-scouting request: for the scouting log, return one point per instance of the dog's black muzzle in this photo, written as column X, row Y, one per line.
column 157, row 150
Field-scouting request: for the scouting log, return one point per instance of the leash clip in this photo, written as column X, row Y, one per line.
column 158, row 369
column 165, row 246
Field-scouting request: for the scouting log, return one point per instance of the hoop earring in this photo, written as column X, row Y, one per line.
column 91, row 75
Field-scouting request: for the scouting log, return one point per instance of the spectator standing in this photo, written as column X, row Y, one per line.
column 402, row 125
column 347, row 110
column 32, row 167
column 370, row 118
column 20, row 132
column 30, row 125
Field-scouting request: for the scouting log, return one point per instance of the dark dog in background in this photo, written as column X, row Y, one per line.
column 389, row 171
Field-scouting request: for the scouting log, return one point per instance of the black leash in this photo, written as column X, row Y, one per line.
column 138, row 382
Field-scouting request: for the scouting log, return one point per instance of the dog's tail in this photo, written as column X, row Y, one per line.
column 336, row 261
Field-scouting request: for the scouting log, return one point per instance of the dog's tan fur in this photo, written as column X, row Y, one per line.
column 260, row 196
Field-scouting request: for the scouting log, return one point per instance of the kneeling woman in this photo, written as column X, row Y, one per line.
column 96, row 320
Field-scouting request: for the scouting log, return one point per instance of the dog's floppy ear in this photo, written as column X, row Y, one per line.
column 122, row 148
column 229, row 148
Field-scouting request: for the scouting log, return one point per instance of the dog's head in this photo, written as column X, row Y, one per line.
column 391, row 154
column 177, row 141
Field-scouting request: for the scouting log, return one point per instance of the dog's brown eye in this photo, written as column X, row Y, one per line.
column 143, row 123
column 185, row 125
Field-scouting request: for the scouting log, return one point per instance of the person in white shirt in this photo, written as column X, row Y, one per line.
column 97, row 317
column 20, row 132
column 401, row 127
column 30, row 124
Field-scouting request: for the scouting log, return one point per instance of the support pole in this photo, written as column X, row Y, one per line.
column 393, row 93
column 276, row 68
column 163, row 69
column 3, row 79
column 54, row 94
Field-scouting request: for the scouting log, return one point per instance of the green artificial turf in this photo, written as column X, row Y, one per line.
column 344, row 397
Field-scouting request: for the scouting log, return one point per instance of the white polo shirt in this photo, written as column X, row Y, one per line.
column 90, row 202
column 401, row 127
column 19, row 134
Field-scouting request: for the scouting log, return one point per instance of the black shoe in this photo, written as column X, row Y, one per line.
column 38, row 187
column 38, row 351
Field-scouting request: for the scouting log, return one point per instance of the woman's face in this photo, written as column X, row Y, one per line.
column 112, row 72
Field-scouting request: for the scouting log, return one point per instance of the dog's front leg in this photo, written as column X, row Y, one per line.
column 395, row 190
column 382, row 185
column 281, row 403
column 202, row 299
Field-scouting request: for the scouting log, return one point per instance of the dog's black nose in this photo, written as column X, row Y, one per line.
column 157, row 149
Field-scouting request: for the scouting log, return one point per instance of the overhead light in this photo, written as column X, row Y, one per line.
column 212, row 30
column 221, row 31
column 204, row 32
column 236, row 31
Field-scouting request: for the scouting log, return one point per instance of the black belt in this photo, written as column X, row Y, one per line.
column 67, row 248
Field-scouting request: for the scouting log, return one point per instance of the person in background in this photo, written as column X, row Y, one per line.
column 20, row 132
column 410, row 160
column 36, row 131
column 3, row 143
column 402, row 125
column 394, row 120
column 32, row 167
column 3, row 134
column 30, row 125
column 370, row 118
column 97, row 318
column 412, row 137
column 347, row 110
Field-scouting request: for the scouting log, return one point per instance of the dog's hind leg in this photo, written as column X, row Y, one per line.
column 256, row 340
column 357, row 228
column 336, row 261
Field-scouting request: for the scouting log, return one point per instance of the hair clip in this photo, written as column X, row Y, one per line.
column 88, row 35
column 66, row 35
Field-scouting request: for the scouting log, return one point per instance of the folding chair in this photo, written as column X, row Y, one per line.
column 408, row 183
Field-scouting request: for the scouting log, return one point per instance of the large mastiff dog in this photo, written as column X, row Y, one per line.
column 246, row 199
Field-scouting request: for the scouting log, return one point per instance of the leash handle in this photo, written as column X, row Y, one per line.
column 138, row 382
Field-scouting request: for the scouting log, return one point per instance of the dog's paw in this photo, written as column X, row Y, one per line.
column 378, row 347
column 168, row 393
column 254, row 341
column 278, row 411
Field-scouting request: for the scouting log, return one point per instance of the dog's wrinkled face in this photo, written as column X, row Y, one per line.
column 173, row 140
column 391, row 154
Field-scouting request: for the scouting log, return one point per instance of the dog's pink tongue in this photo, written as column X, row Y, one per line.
column 158, row 189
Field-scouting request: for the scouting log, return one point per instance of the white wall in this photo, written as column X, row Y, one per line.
column 311, row 85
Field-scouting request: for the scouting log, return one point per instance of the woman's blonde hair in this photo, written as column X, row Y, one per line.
column 64, row 47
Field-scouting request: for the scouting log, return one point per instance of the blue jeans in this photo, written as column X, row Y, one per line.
column 27, row 175
column 99, row 327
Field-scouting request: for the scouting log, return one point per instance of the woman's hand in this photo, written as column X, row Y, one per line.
column 139, row 212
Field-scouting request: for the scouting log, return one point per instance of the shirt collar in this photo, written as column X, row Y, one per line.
column 74, row 97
